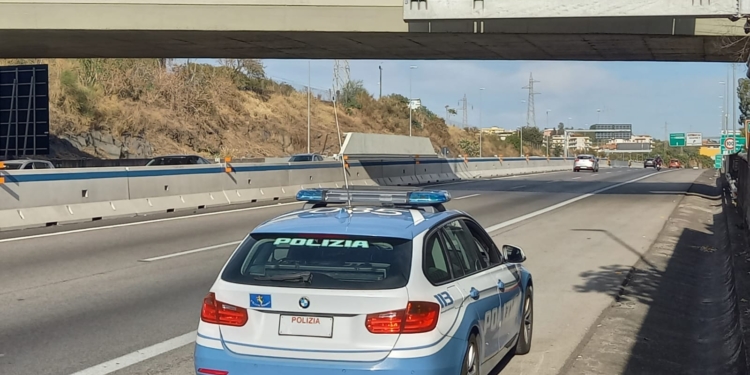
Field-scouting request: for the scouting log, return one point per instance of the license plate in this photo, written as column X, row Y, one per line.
column 313, row 326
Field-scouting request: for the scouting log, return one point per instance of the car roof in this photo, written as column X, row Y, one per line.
column 334, row 220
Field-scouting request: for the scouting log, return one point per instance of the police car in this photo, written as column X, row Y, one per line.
column 362, row 281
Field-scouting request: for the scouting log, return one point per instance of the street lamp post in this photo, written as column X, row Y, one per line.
column 548, row 111
column 480, row 121
column 411, row 68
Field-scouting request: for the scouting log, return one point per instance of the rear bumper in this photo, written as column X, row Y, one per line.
column 447, row 361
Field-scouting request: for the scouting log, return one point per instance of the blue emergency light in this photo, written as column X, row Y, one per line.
column 375, row 196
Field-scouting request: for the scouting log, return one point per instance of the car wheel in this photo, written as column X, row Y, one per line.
column 523, row 346
column 471, row 358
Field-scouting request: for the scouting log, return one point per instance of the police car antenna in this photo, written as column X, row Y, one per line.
column 343, row 162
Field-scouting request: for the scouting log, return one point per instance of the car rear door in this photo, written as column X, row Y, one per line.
column 482, row 298
column 507, row 281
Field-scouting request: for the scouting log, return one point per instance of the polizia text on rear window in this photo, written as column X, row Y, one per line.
column 321, row 261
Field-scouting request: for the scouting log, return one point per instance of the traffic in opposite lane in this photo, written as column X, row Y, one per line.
column 143, row 290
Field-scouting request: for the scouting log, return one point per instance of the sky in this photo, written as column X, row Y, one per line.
column 685, row 96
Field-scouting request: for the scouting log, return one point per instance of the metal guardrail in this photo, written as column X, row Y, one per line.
column 737, row 169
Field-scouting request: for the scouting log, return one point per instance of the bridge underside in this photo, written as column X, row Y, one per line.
column 368, row 45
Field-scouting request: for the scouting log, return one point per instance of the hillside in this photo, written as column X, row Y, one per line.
column 119, row 108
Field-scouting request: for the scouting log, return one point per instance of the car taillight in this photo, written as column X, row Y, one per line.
column 418, row 317
column 217, row 312
column 209, row 371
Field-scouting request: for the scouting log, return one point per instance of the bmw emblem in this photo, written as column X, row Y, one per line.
column 304, row 302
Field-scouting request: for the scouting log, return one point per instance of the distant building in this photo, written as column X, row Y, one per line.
column 500, row 132
column 612, row 131
column 548, row 132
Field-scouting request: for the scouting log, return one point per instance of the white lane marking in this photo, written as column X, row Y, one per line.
column 139, row 355
column 234, row 243
column 506, row 177
column 466, row 196
column 609, row 172
column 564, row 203
column 575, row 178
column 188, row 338
column 517, row 187
column 144, row 222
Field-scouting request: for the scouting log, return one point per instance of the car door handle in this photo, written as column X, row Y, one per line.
column 501, row 286
column 474, row 293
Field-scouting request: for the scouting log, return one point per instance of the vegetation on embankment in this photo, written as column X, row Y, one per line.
column 229, row 109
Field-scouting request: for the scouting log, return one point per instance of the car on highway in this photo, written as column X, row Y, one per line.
column 584, row 161
column 177, row 160
column 649, row 163
column 674, row 163
column 305, row 157
column 26, row 164
column 361, row 281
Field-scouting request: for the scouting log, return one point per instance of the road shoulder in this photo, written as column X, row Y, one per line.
column 676, row 312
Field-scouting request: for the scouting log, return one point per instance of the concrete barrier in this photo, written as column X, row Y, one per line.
column 32, row 198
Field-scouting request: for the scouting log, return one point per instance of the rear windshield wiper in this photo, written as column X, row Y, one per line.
column 305, row 277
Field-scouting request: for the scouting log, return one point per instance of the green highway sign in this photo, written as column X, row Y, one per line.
column 676, row 139
column 732, row 144
column 717, row 161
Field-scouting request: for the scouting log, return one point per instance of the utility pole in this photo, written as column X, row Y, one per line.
column 411, row 68
column 380, row 84
column 531, row 108
column 308, row 106
column 666, row 139
column 480, row 121
column 465, row 108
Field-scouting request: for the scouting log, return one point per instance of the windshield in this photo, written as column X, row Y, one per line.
column 321, row 262
column 302, row 158
column 584, row 156
column 174, row 160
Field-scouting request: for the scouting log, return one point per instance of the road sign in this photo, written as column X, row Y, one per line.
column 730, row 144
column 676, row 139
column 717, row 160
column 693, row 139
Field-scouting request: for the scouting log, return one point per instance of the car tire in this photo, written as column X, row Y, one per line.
column 470, row 364
column 523, row 345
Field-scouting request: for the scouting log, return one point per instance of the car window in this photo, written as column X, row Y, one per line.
column 487, row 251
column 435, row 265
column 333, row 261
column 462, row 251
column 13, row 165
column 41, row 165
column 301, row 158
column 28, row 166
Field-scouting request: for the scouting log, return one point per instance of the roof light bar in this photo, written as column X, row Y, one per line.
column 373, row 196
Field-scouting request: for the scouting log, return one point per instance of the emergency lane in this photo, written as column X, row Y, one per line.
column 73, row 301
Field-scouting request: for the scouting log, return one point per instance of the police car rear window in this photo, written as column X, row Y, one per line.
column 320, row 261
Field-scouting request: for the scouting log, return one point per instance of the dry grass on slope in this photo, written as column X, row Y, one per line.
column 201, row 109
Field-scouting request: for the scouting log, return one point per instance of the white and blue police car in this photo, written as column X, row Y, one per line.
column 362, row 281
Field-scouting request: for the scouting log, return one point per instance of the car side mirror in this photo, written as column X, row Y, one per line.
column 513, row 254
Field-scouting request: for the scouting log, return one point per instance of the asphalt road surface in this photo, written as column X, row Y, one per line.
column 93, row 297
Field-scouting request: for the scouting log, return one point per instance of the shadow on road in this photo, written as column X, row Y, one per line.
column 675, row 311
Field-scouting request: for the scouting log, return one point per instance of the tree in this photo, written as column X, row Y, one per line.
column 351, row 93
column 560, row 129
column 469, row 147
column 743, row 94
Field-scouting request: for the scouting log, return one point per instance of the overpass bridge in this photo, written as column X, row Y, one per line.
column 593, row 30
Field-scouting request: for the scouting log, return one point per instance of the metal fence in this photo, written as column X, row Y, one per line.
column 736, row 169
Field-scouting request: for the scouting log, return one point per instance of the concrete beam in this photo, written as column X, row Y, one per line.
column 486, row 10
column 342, row 29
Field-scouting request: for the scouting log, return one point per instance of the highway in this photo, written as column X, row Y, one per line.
column 73, row 298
